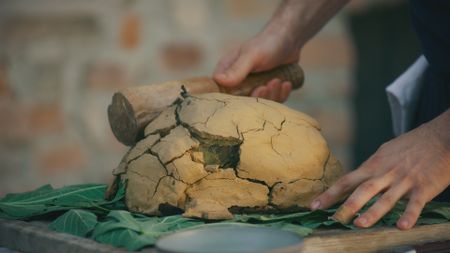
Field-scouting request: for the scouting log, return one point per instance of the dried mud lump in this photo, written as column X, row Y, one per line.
column 212, row 155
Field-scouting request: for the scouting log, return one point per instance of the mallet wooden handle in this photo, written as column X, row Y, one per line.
column 133, row 108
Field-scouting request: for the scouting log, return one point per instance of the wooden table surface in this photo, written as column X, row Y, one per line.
column 35, row 237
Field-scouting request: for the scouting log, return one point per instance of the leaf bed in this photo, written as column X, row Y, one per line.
column 89, row 214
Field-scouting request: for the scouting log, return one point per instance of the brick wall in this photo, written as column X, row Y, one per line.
column 61, row 61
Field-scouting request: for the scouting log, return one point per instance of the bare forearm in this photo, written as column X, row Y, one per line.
column 299, row 20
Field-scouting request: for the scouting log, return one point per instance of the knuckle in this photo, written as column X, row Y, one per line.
column 373, row 163
column 414, row 210
column 420, row 194
column 420, row 180
column 325, row 197
column 369, row 186
column 330, row 193
column 411, row 214
column 417, row 203
column 351, row 205
column 344, row 183
column 408, row 180
column 387, row 200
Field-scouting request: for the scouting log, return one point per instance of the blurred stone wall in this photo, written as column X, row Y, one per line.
column 61, row 61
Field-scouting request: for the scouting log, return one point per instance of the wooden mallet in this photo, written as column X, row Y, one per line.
column 133, row 108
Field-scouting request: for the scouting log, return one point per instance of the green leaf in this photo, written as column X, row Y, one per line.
column 298, row 229
column 430, row 221
column 14, row 196
column 46, row 199
column 122, row 229
column 164, row 225
column 323, row 214
column 443, row 211
column 391, row 218
column 126, row 238
column 116, row 220
column 75, row 222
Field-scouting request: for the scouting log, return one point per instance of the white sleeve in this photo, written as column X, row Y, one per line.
column 403, row 95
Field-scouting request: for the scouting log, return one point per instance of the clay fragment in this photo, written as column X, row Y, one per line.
column 174, row 145
column 212, row 155
column 186, row 170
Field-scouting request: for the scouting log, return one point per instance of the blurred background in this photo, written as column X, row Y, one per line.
column 61, row 61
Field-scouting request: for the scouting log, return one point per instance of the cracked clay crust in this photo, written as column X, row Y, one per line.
column 211, row 155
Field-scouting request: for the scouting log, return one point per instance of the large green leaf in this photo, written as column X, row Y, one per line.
column 46, row 199
column 298, row 229
column 117, row 220
column 76, row 222
column 14, row 196
column 122, row 229
column 126, row 238
column 442, row 211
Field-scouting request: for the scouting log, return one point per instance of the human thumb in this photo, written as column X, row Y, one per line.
column 236, row 72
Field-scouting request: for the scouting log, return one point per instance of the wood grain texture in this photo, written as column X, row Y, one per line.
column 376, row 239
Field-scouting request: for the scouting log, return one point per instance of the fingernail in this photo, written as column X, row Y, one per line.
column 315, row 204
column 362, row 221
column 403, row 224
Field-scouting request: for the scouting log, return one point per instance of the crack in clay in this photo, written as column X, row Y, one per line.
column 255, row 181
column 254, row 130
column 157, row 185
column 163, row 131
column 313, row 179
column 324, row 168
column 205, row 123
column 212, row 114
column 147, row 151
column 178, row 157
column 159, row 182
column 272, row 146
column 159, row 160
column 161, row 178
column 213, row 147
column 307, row 125
column 208, row 99
column 142, row 175
column 179, row 179
column 270, row 194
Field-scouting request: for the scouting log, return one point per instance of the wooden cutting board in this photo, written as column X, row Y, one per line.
column 376, row 239
column 35, row 237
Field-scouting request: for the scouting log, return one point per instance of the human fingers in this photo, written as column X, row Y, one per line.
column 339, row 189
column 412, row 212
column 238, row 70
column 286, row 88
column 383, row 205
column 274, row 89
column 359, row 198
column 260, row 92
